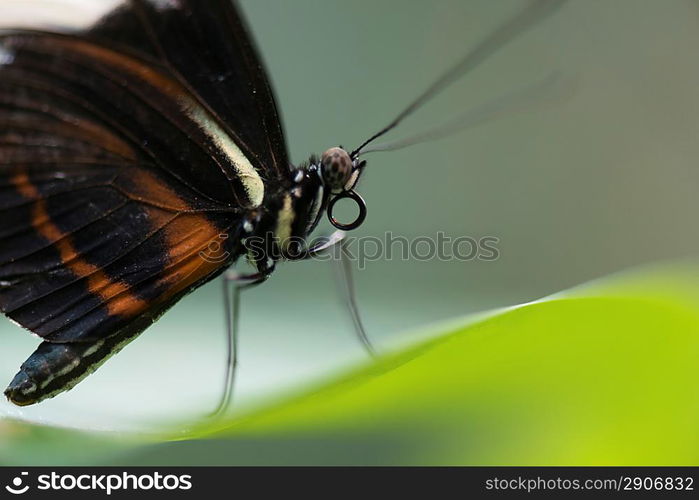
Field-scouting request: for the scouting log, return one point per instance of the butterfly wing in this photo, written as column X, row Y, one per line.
column 113, row 181
column 208, row 47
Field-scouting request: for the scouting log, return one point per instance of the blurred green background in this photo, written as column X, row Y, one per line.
column 602, row 181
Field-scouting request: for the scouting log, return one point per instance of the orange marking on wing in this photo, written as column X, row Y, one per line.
column 24, row 186
column 98, row 282
column 147, row 186
column 185, row 236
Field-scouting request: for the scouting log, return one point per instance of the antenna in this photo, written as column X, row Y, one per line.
column 532, row 15
column 552, row 89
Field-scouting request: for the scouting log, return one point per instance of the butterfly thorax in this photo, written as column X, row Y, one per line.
column 290, row 212
column 280, row 228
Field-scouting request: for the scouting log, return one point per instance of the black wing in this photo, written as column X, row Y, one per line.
column 127, row 154
column 109, row 189
column 207, row 46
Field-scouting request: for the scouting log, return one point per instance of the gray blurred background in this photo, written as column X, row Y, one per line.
column 601, row 181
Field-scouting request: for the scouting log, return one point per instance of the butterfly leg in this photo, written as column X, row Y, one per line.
column 345, row 277
column 233, row 284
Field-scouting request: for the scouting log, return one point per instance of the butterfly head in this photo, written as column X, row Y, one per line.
column 293, row 213
column 319, row 184
column 336, row 169
column 339, row 173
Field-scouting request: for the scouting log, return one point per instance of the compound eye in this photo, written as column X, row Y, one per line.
column 336, row 168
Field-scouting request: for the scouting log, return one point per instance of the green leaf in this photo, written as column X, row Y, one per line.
column 605, row 374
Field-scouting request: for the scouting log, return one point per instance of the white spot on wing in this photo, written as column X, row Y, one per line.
column 29, row 390
column 93, row 349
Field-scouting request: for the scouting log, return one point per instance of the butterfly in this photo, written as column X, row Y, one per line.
column 141, row 158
